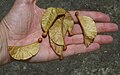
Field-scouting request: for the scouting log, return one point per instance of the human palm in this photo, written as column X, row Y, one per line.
column 24, row 27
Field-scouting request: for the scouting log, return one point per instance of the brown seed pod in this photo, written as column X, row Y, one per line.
column 24, row 52
column 89, row 28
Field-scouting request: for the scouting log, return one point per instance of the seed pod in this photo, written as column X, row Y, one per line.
column 49, row 17
column 89, row 28
column 56, row 37
column 68, row 24
column 57, row 22
column 24, row 52
column 58, row 49
column 55, row 32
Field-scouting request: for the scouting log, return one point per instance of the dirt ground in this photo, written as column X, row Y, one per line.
column 105, row 61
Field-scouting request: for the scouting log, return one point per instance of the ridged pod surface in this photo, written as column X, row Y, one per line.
column 89, row 28
column 24, row 52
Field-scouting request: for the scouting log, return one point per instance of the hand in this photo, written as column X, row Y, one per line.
column 24, row 27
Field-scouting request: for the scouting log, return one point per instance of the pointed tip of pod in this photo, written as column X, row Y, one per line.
column 70, row 33
column 44, row 35
column 86, row 45
column 65, row 48
column 61, row 57
column 76, row 13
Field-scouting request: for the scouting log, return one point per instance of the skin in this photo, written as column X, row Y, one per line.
column 23, row 25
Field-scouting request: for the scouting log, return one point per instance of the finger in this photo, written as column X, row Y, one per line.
column 97, row 16
column 79, row 39
column 103, row 39
column 81, row 48
column 106, row 27
column 101, row 28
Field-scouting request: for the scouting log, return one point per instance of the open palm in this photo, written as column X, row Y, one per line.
column 24, row 27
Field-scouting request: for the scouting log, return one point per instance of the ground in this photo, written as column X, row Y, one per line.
column 105, row 61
